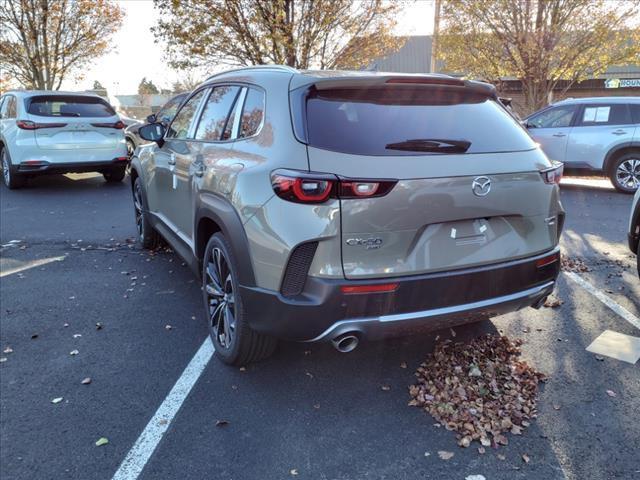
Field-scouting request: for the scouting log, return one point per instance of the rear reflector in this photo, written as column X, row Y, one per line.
column 119, row 125
column 29, row 125
column 379, row 288
column 548, row 260
column 121, row 159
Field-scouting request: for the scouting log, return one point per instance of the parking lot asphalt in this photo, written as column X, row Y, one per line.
column 67, row 262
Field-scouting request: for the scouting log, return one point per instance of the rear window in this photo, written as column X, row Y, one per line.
column 409, row 121
column 69, row 106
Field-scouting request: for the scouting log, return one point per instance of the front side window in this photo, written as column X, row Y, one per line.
column 215, row 116
column 252, row 113
column 182, row 122
column 69, row 106
column 614, row 114
column 168, row 110
column 556, row 117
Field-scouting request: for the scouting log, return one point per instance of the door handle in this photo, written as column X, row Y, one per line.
column 559, row 134
column 172, row 159
column 619, row 132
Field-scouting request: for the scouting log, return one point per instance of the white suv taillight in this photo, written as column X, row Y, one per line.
column 553, row 174
column 29, row 125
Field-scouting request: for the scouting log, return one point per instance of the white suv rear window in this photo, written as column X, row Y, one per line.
column 69, row 106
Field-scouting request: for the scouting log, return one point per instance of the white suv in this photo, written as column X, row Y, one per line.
column 58, row 132
column 598, row 135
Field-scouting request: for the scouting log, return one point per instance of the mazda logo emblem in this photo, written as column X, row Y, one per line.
column 481, row 186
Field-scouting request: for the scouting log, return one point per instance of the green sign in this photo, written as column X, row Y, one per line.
column 622, row 83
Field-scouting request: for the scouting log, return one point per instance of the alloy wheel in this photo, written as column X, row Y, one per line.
column 628, row 173
column 220, row 299
column 6, row 174
column 137, row 204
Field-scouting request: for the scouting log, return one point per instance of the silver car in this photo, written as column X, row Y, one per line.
column 634, row 228
column 600, row 135
column 337, row 206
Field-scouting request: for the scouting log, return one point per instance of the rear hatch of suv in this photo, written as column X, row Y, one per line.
column 439, row 175
column 72, row 122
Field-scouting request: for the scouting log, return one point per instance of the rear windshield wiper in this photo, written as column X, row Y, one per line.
column 431, row 145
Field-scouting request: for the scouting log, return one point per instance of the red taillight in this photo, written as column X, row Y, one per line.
column 548, row 260
column 121, row 159
column 554, row 174
column 29, row 125
column 306, row 187
column 119, row 125
column 379, row 288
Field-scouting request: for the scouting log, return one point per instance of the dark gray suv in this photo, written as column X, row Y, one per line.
column 337, row 206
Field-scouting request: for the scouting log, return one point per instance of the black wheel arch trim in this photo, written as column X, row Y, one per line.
column 611, row 154
column 223, row 214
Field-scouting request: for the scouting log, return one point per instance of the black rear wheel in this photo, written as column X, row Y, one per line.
column 147, row 235
column 11, row 178
column 234, row 340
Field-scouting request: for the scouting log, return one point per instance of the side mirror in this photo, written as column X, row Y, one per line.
column 153, row 132
column 151, row 118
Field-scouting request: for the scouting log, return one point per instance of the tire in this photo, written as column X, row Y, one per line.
column 115, row 174
column 131, row 147
column 625, row 172
column 11, row 178
column 147, row 235
column 234, row 341
column 638, row 259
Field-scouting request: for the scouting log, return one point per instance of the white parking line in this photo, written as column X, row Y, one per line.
column 145, row 445
column 619, row 309
column 27, row 266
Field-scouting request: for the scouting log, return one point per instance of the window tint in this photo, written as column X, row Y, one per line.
column 410, row 121
column 252, row 113
column 635, row 112
column 180, row 126
column 556, row 117
column 168, row 110
column 614, row 114
column 69, row 106
column 215, row 114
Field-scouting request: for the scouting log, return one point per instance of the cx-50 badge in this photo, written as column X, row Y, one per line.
column 481, row 186
column 367, row 243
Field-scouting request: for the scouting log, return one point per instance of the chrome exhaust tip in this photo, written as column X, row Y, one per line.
column 345, row 343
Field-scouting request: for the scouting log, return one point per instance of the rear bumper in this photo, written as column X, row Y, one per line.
column 43, row 167
column 422, row 302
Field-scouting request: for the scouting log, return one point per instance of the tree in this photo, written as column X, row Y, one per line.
column 98, row 86
column 546, row 44
column 186, row 83
column 298, row 33
column 42, row 42
column 147, row 87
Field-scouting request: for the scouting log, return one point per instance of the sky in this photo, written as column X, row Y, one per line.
column 135, row 55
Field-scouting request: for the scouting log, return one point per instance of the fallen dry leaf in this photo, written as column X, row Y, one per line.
column 553, row 302
column 102, row 441
column 444, row 455
column 386, row 388
column 501, row 457
column 480, row 389
column 611, row 393
column 74, row 352
column 293, row 471
column 168, row 327
column 403, row 365
column 481, row 450
column 98, row 326
column 525, row 458
column 56, row 400
column 8, row 350
column 222, row 423
column 86, row 381
column 3, row 359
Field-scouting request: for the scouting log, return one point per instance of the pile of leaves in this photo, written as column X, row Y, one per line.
column 573, row 264
column 480, row 389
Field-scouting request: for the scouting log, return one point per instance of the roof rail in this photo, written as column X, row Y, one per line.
column 278, row 68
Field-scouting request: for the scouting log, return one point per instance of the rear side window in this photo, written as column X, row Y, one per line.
column 635, row 112
column 613, row 114
column 555, row 117
column 182, row 122
column 216, row 113
column 252, row 113
column 69, row 106
column 9, row 107
column 401, row 120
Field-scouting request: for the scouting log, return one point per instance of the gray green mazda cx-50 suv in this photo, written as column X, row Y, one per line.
column 336, row 206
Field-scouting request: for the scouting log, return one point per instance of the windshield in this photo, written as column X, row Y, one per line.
column 410, row 121
column 70, row 106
